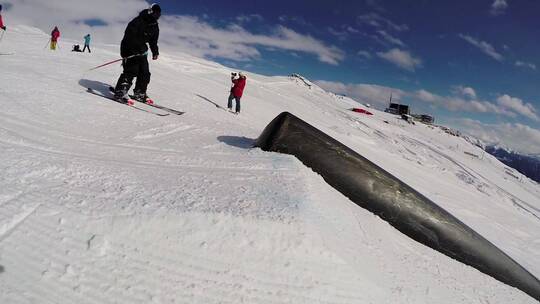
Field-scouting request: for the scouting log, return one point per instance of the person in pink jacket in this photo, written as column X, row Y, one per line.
column 55, row 34
column 237, row 90
column 2, row 26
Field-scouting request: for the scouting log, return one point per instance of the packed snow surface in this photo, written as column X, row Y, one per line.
column 102, row 203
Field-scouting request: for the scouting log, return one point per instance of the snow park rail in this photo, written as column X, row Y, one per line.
column 376, row 190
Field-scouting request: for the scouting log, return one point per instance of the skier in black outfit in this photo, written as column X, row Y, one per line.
column 141, row 30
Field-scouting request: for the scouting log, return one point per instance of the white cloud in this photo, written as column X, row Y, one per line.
column 352, row 30
column 332, row 86
column 249, row 18
column 288, row 39
column 465, row 91
column 188, row 34
column 505, row 104
column 365, row 54
column 426, row 96
column 402, row 59
column 343, row 32
column 369, row 93
column 529, row 65
column 485, row 47
column 377, row 21
column 64, row 13
column 379, row 96
column 194, row 36
column 341, row 35
column 390, row 38
column 519, row 137
column 457, row 103
column 294, row 19
column 517, row 105
column 498, row 7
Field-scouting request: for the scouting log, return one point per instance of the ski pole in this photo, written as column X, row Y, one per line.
column 111, row 62
column 105, row 64
column 46, row 44
column 2, row 37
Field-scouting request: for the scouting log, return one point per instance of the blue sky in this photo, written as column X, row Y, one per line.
column 488, row 46
column 473, row 64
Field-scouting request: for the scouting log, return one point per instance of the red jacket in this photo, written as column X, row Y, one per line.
column 1, row 22
column 55, row 34
column 238, row 88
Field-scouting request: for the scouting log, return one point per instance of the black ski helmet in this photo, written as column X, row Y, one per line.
column 155, row 10
column 0, row 7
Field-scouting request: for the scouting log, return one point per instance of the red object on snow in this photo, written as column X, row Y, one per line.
column 358, row 110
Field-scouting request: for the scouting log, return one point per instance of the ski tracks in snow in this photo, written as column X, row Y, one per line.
column 471, row 176
column 192, row 258
column 100, row 204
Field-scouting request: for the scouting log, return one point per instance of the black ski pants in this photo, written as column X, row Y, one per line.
column 134, row 67
column 85, row 47
column 229, row 104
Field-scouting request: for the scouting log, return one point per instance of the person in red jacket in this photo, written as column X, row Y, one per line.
column 237, row 90
column 2, row 26
column 55, row 34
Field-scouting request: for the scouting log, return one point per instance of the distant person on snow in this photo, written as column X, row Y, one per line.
column 87, row 40
column 55, row 34
column 133, row 49
column 237, row 90
column 2, row 26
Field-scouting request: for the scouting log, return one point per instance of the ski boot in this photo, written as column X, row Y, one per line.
column 142, row 97
column 122, row 97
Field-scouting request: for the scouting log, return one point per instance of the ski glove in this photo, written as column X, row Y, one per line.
column 155, row 57
column 4, row 28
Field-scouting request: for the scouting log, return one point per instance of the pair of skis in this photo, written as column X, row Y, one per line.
column 136, row 105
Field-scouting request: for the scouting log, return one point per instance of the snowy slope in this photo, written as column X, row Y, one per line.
column 100, row 203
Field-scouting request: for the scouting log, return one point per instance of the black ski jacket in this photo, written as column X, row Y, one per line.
column 141, row 30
